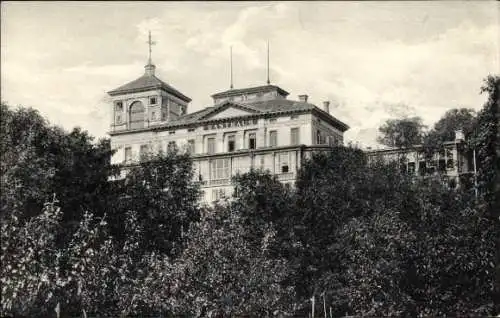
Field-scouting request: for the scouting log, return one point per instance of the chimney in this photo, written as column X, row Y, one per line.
column 326, row 106
column 303, row 98
column 459, row 135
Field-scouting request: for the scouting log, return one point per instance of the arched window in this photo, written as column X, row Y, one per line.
column 136, row 115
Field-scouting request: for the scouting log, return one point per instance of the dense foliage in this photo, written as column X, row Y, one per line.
column 39, row 160
column 352, row 237
column 444, row 130
column 401, row 133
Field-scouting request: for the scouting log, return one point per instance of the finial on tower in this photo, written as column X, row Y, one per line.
column 268, row 80
column 150, row 43
column 231, row 65
column 150, row 68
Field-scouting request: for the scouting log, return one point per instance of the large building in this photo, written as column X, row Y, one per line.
column 454, row 162
column 257, row 127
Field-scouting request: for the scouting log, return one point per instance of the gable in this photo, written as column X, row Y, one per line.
column 228, row 111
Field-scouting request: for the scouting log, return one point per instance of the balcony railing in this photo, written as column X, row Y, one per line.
column 286, row 176
column 219, row 182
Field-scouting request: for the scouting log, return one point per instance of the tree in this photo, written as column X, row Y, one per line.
column 89, row 274
column 226, row 271
column 454, row 119
column 450, row 265
column 236, row 260
column 401, row 133
column 162, row 191
column 372, row 260
column 445, row 128
column 340, row 192
column 30, row 271
column 485, row 142
column 39, row 160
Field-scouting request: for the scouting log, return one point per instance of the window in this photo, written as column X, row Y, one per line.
column 171, row 145
column 252, row 141
column 128, row 154
column 152, row 101
column 422, row 168
column 294, row 136
column 218, row 194
column 449, row 159
column 283, row 161
column 143, row 152
column 272, row 120
column 191, row 146
column 219, row 169
column 191, row 129
column 411, row 167
column 331, row 140
column 294, row 117
column 118, row 119
column 450, row 164
column 153, row 115
column 119, row 106
column 172, row 132
column 183, row 110
column 137, row 115
column 441, row 153
column 452, row 183
column 442, row 165
column 231, row 143
column 211, row 145
column 318, row 137
column 273, row 138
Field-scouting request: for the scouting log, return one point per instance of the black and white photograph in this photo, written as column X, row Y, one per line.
column 308, row 159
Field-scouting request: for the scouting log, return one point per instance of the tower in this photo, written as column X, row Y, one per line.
column 146, row 101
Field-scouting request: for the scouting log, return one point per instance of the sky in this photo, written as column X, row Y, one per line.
column 373, row 60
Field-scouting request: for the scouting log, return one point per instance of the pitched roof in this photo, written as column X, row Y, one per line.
column 274, row 106
column 145, row 83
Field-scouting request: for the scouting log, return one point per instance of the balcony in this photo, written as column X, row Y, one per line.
column 217, row 182
column 133, row 125
column 287, row 176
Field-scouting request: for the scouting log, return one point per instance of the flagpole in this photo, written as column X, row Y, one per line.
column 475, row 171
column 312, row 307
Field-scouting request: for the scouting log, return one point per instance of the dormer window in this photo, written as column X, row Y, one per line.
column 152, row 100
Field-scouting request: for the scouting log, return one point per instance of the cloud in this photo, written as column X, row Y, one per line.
column 376, row 60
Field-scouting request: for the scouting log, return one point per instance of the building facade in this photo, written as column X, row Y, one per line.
column 256, row 127
column 453, row 161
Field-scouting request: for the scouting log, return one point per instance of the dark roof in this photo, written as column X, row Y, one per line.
column 250, row 90
column 275, row 106
column 145, row 83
